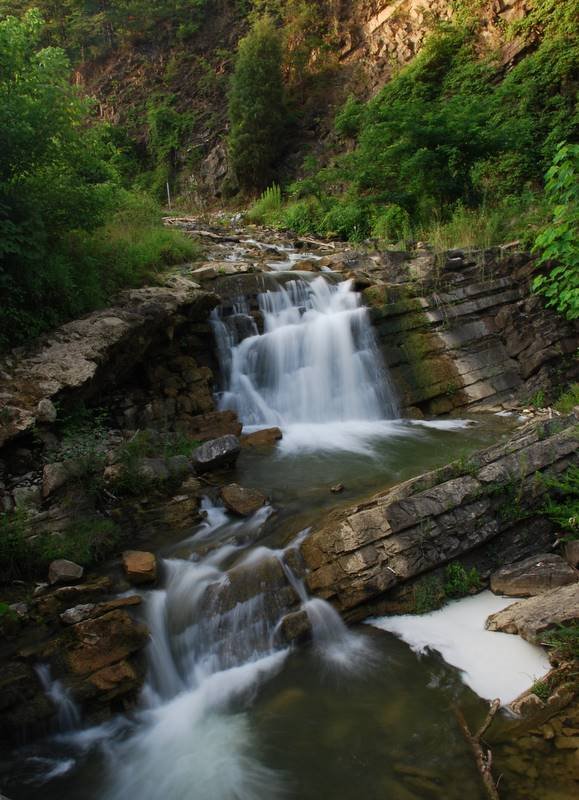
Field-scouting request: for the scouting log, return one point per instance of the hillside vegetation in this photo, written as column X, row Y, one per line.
column 458, row 148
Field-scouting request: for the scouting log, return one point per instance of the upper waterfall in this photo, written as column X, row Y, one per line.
column 314, row 362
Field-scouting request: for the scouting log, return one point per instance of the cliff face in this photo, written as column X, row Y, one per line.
column 366, row 40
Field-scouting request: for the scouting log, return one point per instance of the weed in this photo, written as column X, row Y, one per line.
column 541, row 689
column 458, row 582
column 538, row 399
column 564, row 640
column 562, row 505
column 428, row 595
column 568, row 400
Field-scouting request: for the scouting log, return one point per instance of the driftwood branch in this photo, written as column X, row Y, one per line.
column 482, row 753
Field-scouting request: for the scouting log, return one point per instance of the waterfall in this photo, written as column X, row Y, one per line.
column 68, row 714
column 316, row 362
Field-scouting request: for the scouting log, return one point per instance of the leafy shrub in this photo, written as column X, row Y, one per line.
column 562, row 505
column 428, row 595
column 268, row 207
column 392, row 224
column 559, row 242
column 346, row 220
column 541, row 689
column 303, row 216
column 458, row 582
column 568, row 400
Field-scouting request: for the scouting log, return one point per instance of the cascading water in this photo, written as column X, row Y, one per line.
column 314, row 369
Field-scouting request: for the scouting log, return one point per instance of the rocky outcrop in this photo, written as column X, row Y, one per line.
column 533, row 576
column 81, row 357
column 360, row 554
column 454, row 330
column 266, row 437
column 530, row 618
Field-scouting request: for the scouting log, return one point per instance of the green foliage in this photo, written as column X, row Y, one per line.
column 538, row 399
column 568, row 400
column 257, row 109
column 70, row 236
column 564, row 639
column 147, row 444
column 562, row 505
column 541, row 689
column 303, row 216
column 268, row 207
column 458, row 582
column 458, row 143
column 559, row 242
column 392, row 224
column 428, row 595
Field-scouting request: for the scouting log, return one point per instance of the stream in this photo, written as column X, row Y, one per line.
column 228, row 711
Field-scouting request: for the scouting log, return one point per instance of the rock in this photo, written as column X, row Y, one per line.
column 27, row 497
column 204, row 427
column 140, row 566
column 295, row 627
column 46, row 411
column 64, row 571
column 179, row 466
column 20, row 609
column 153, row 470
column 53, row 477
column 529, row 618
column 357, row 555
column 571, row 551
column 264, row 438
column 98, row 643
column 307, row 265
column 243, row 502
column 77, row 613
column 216, row 454
column 337, row 488
column 533, row 576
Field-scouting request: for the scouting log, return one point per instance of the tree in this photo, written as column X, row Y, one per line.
column 257, row 109
column 54, row 177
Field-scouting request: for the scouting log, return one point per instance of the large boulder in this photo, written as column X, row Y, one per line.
column 101, row 642
column 216, row 454
column 530, row 618
column 241, row 501
column 204, row 427
column 533, row 576
column 140, row 566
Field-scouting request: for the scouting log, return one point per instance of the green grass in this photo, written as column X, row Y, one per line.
column 564, row 640
column 568, row 400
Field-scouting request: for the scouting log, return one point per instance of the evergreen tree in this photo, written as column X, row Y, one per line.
column 257, row 110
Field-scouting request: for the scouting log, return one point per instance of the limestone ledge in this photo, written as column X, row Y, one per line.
column 358, row 555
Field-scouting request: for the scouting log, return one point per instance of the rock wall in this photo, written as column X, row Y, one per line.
column 359, row 555
column 381, row 35
column 465, row 332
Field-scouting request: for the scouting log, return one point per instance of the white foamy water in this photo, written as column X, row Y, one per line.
column 492, row 664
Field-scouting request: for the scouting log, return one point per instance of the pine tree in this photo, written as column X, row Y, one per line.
column 257, row 110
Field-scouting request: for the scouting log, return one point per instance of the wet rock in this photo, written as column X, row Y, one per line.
column 241, row 501
column 116, row 680
column 153, row 470
column 140, row 566
column 216, row 454
column 24, row 708
column 533, row 576
column 529, row 618
column 307, row 265
column 78, row 613
column 295, row 627
column 264, row 438
column 54, row 476
column 337, row 488
column 98, row 643
column 64, row 571
column 179, row 466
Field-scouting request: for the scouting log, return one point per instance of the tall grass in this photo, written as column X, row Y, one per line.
column 267, row 209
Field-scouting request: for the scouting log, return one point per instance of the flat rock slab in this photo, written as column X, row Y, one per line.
column 533, row 576
column 241, row 501
column 140, row 566
column 529, row 618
